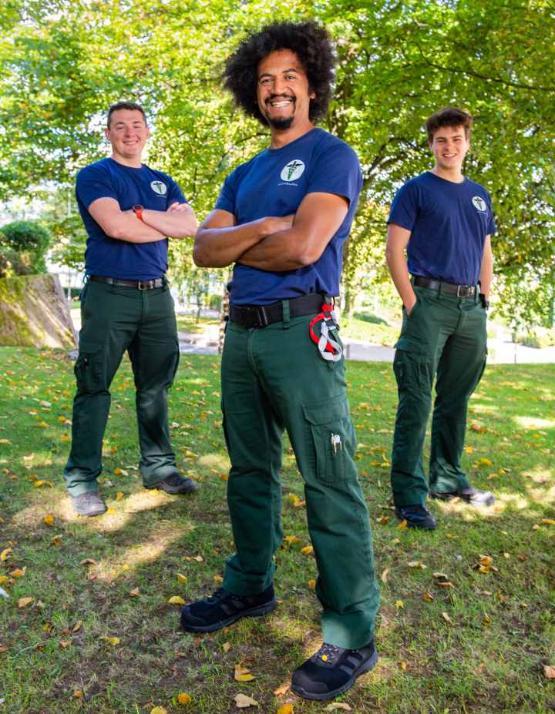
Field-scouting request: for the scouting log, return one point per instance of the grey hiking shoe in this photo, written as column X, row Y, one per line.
column 88, row 504
column 176, row 484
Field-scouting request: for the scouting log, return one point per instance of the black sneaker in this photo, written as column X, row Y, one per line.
column 223, row 608
column 469, row 495
column 416, row 517
column 175, row 484
column 331, row 671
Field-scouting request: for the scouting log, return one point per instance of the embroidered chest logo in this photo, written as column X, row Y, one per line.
column 293, row 170
column 479, row 204
column 159, row 187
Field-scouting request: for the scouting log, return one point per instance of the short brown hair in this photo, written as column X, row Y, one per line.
column 449, row 116
column 132, row 106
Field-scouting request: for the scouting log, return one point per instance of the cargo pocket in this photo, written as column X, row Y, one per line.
column 89, row 368
column 414, row 372
column 333, row 437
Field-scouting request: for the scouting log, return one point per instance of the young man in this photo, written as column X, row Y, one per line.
column 282, row 218
column 128, row 210
column 445, row 222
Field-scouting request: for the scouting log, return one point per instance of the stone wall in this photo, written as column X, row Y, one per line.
column 34, row 313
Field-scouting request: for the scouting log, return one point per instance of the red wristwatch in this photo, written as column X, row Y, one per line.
column 138, row 211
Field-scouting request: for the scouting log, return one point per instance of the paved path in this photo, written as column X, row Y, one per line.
column 499, row 350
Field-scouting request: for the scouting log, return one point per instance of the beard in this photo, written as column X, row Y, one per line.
column 280, row 123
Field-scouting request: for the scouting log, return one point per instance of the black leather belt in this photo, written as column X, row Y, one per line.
column 449, row 288
column 262, row 315
column 138, row 284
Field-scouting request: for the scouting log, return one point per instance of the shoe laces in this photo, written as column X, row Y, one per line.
column 328, row 653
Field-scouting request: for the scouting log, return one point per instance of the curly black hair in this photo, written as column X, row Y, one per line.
column 308, row 40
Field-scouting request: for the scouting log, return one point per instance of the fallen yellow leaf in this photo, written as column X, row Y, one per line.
column 114, row 641
column 243, row 702
column 41, row 483
column 18, row 572
column 295, row 501
column 447, row 618
column 176, row 600
column 159, row 710
column 383, row 520
column 120, row 496
column 312, row 584
column 307, row 550
column 242, row 674
column 184, row 698
column 135, row 592
column 48, row 520
column 78, row 625
column 226, row 646
column 549, row 671
column 5, row 554
column 384, row 575
column 4, row 580
column 285, row 709
column 57, row 540
column 427, row 597
column 64, row 644
column 181, row 578
column 282, row 689
column 218, row 580
column 336, row 706
column 291, row 539
column 403, row 524
column 78, row 693
column 403, row 665
column 547, row 522
column 24, row 601
column 399, row 604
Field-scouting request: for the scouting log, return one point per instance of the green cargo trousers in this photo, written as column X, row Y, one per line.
column 446, row 335
column 115, row 320
column 274, row 379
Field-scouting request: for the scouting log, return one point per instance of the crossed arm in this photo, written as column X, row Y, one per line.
column 178, row 222
column 271, row 243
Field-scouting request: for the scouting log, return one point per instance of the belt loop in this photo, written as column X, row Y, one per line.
column 286, row 312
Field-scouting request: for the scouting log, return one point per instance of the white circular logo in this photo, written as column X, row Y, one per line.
column 292, row 171
column 479, row 203
column 159, row 187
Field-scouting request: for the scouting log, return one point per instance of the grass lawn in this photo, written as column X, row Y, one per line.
column 88, row 626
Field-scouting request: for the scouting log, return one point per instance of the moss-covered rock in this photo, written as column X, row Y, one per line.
column 34, row 313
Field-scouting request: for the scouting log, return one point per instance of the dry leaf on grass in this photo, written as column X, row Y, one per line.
column 226, row 646
column 307, row 550
column 285, row 709
column 549, row 671
column 48, row 520
column 5, row 554
column 447, row 618
column 24, row 602
column 338, row 706
column 242, row 701
column 242, row 674
column 159, row 710
column 181, row 578
column 312, row 584
column 18, row 572
column 135, row 592
column 114, row 641
column 384, row 575
column 427, row 596
column 176, row 600
column 399, row 604
column 282, row 689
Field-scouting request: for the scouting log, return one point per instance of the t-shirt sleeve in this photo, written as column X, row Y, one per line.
column 93, row 182
column 336, row 170
column 404, row 208
column 492, row 227
column 175, row 194
column 226, row 199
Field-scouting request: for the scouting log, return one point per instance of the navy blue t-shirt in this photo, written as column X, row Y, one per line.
column 448, row 222
column 274, row 183
column 128, row 186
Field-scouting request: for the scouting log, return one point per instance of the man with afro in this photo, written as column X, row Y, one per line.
column 281, row 219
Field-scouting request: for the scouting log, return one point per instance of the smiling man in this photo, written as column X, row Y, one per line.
column 128, row 210
column 282, row 219
column 445, row 223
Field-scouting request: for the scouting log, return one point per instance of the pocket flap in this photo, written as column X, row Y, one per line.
column 328, row 411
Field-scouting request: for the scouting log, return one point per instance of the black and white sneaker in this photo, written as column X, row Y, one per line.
column 223, row 608
column 332, row 670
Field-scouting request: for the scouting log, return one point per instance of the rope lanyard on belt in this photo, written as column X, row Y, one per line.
column 329, row 349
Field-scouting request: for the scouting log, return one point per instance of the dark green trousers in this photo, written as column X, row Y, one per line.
column 116, row 320
column 443, row 337
column 274, row 379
